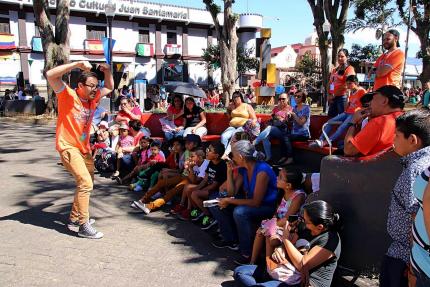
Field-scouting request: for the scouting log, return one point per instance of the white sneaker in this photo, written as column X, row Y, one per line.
column 142, row 206
column 74, row 225
column 86, row 230
column 317, row 143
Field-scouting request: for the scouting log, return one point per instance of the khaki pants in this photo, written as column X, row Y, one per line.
column 162, row 184
column 82, row 168
column 169, row 195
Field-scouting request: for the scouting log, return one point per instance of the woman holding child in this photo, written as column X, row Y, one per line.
column 316, row 266
column 237, row 216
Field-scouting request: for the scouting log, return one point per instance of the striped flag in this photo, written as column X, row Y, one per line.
column 94, row 46
column 7, row 42
column 145, row 50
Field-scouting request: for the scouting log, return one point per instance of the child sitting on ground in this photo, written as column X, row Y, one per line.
column 125, row 140
column 196, row 166
column 216, row 174
column 140, row 155
column 293, row 198
column 145, row 173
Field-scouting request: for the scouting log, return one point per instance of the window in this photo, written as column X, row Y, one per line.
column 171, row 38
column 4, row 25
column 95, row 32
column 144, row 36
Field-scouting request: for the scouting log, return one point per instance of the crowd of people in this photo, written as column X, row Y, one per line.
column 250, row 202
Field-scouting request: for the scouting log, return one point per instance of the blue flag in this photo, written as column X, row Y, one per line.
column 106, row 48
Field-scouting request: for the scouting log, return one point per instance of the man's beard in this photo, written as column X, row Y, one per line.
column 390, row 45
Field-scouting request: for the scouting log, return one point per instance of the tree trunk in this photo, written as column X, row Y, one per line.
column 227, row 40
column 56, row 49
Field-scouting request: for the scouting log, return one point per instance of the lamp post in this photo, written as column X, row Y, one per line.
column 110, row 13
column 325, row 65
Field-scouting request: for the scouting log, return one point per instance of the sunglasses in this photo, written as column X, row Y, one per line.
column 92, row 87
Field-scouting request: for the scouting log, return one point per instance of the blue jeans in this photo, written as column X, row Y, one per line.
column 239, row 223
column 337, row 106
column 173, row 134
column 253, row 275
column 226, row 137
column 422, row 279
column 345, row 118
column 269, row 133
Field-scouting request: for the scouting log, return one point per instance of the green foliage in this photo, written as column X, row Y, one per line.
column 368, row 53
column 308, row 65
column 245, row 61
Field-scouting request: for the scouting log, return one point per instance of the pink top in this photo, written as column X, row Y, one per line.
column 282, row 114
column 126, row 141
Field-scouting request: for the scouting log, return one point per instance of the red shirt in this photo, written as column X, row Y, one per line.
column 178, row 121
column 134, row 110
column 354, row 101
column 377, row 135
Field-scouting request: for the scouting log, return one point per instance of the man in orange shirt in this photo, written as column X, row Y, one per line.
column 388, row 67
column 387, row 104
column 75, row 112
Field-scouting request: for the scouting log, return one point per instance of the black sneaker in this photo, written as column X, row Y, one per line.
column 242, row 260
column 207, row 223
column 221, row 243
column 86, row 230
column 196, row 214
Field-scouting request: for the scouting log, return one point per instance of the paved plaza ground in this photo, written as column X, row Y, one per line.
column 37, row 250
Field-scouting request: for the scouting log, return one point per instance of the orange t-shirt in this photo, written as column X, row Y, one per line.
column 338, row 82
column 354, row 101
column 377, row 135
column 74, row 120
column 395, row 60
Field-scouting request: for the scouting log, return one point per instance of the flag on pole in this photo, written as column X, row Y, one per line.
column 106, row 48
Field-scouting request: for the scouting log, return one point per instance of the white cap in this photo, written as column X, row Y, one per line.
column 302, row 243
column 104, row 124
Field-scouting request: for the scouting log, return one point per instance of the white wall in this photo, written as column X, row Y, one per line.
column 197, row 40
column 247, row 40
column 78, row 32
column 146, row 69
column 36, row 69
column 197, row 73
column 126, row 38
column 29, row 27
column 13, row 17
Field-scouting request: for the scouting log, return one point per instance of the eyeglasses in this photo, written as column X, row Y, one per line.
column 282, row 99
column 93, row 87
column 209, row 150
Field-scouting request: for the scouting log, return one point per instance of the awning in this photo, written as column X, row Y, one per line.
column 7, row 80
column 144, row 50
column 7, row 42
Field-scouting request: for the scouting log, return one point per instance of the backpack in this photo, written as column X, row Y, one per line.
column 105, row 162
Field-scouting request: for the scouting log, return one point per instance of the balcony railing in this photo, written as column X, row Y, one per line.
column 173, row 49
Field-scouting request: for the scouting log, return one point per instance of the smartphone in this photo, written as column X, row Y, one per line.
column 293, row 218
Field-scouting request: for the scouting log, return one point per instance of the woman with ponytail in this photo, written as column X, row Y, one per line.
column 239, row 215
column 317, row 266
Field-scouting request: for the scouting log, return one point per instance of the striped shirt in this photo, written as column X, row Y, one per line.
column 420, row 257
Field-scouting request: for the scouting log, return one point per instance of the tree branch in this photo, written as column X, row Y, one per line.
column 62, row 22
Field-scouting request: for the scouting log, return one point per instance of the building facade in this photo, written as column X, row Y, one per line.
column 154, row 42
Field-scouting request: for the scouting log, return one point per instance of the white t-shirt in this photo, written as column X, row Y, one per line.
column 200, row 171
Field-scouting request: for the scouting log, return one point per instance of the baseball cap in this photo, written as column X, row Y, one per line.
column 395, row 33
column 392, row 92
column 104, row 124
column 193, row 138
column 123, row 126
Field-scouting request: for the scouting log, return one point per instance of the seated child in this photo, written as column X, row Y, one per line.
column 125, row 140
column 153, row 158
column 195, row 166
column 216, row 174
column 291, row 202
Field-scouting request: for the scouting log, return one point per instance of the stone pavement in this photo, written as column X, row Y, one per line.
column 137, row 250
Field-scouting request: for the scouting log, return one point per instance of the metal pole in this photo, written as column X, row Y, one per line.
column 111, row 61
column 407, row 43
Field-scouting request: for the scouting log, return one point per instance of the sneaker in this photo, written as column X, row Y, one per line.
column 177, row 209
column 184, row 215
column 86, row 230
column 138, row 188
column 221, row 243
column 207, row 223
column 317, row 143
column 74, row 225
column 115, row 174
column 242, row 260
column 118, row 180
column 157, row 195
column 132, row 186
column 142, row 206
column 196, row 214
column 289, row 161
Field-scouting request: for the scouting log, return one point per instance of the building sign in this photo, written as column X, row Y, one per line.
column 135, row 8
